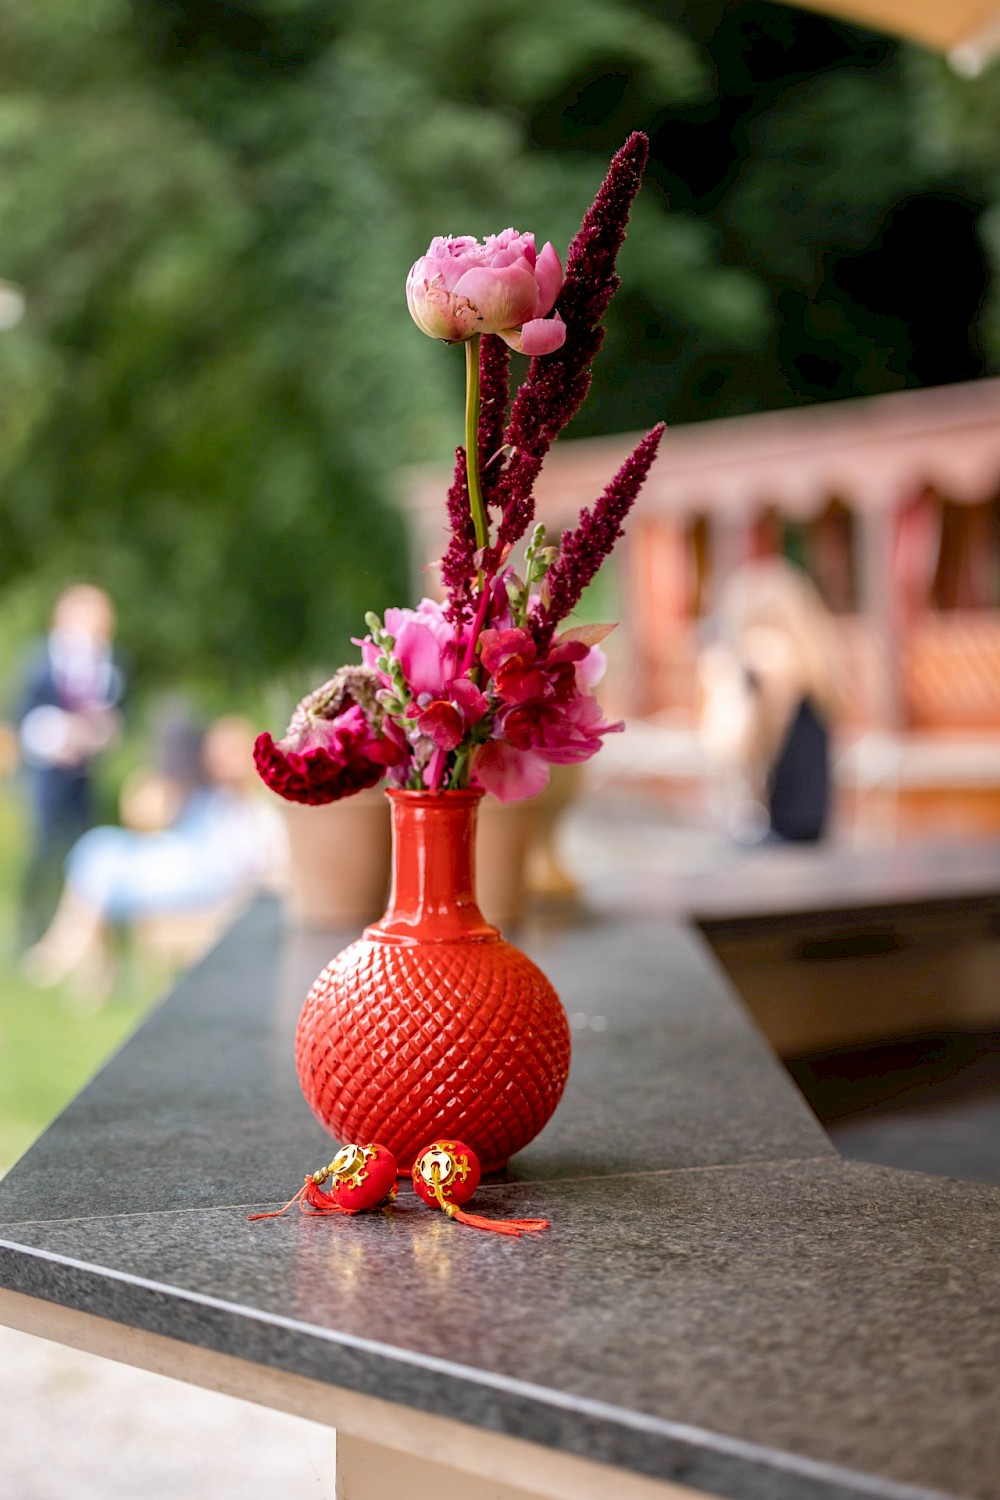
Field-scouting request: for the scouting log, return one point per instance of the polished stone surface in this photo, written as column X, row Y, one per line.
column 720, row 1300
column 842, row 1315
column 205, row 1100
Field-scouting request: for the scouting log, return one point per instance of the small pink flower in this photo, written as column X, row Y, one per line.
column 546, row 716
column 468, row 699
column 533, row 739
column 511, row 656
column 498, row 646
column 461, row 288
column 561, row 733
column 427, row 646
column 510, row 774
column 442, row 723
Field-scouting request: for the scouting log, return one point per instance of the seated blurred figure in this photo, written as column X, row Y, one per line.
column 767, row 686
column 222, row 840
column 67, row 714
column 153, row 796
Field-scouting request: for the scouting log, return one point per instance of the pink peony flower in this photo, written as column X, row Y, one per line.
column 461, row 288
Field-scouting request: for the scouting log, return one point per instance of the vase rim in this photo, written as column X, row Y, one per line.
column 468, row 796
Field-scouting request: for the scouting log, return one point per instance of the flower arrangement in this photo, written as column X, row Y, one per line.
column 489, row 688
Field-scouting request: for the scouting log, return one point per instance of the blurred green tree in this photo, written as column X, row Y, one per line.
column 212, row 209
column 813, row 161
column 212, row 206
column 957, row 128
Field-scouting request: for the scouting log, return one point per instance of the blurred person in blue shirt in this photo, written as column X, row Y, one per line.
column 197, row 842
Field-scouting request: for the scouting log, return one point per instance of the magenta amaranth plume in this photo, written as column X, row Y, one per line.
column 494, row 392
column 556, row 385
column 457, row 570
column 583, row 549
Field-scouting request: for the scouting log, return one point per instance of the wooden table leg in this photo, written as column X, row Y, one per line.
column 367, row 1471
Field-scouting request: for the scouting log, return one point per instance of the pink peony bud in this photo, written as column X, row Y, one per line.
column 461, row 288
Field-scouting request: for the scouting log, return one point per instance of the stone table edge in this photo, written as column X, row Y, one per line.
column 655, row 1447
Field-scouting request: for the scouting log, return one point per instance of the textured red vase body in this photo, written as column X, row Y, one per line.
column 432, row 1024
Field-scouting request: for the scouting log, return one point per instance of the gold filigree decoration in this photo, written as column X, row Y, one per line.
column 350, row 1165
column 442, row 1166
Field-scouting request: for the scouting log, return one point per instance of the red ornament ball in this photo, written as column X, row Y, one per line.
column 448, row 1170
column 359, row 1177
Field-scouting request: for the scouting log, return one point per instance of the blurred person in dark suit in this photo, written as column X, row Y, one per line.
column 67, row 714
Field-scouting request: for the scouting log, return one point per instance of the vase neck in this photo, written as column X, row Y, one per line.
column 433, row 898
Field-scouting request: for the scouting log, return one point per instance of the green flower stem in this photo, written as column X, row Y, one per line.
column 461, row 768
column 462, row 763
column 476, row 505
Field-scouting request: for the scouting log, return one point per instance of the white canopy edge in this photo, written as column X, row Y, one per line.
column 949, row 26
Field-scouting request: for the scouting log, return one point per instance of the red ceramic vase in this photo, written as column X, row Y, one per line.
column 432, row 1024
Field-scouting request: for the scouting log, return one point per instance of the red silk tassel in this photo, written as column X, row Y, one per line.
column 318, row 1201
column 276, row 1213
column 309, row 1193
column 514, row 1227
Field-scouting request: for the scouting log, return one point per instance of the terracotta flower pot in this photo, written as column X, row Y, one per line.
column 506, row 832
column 431, row 1024
column 545, row 876
column 339, row 858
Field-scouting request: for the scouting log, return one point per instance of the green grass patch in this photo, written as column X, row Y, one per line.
column 48, row 1048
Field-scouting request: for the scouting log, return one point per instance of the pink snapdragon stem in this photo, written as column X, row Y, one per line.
column 477, row 628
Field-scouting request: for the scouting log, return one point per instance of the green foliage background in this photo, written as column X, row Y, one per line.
column 212, row 209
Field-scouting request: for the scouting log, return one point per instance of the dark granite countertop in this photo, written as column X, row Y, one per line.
column 720, row 1300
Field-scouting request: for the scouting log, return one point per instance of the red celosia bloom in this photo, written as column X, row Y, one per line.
column 324, row 773
column 494, row 391
column 457, row 567
column 330, row 750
